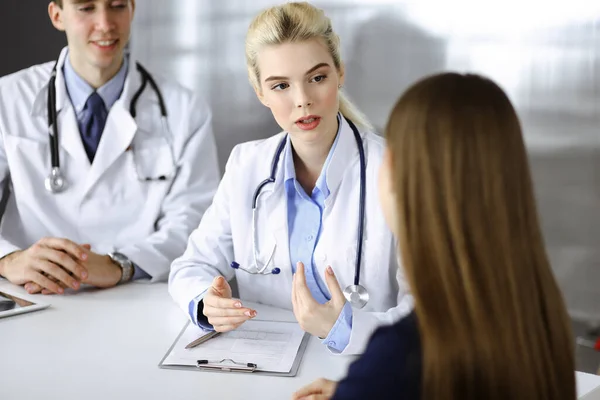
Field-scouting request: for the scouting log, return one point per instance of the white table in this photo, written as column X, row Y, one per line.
column 106, row 344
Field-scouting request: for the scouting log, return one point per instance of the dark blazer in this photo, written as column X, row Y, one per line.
column 390, row 368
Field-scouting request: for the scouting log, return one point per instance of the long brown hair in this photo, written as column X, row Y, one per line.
column 491, row 317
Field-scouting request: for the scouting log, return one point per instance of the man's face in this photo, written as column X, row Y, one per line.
column 97, row 31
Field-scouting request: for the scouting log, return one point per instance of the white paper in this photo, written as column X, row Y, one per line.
column 271, row 345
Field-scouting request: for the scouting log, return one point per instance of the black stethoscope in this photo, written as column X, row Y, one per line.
column 56, row 182
column 356, row 294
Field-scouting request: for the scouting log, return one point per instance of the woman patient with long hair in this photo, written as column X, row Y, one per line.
column 489, row 320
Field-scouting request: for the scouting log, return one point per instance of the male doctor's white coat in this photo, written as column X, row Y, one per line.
column 224, row 235
column 105, row 204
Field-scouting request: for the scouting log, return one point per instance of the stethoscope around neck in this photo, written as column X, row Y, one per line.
column 56, row 182
column 356, row 294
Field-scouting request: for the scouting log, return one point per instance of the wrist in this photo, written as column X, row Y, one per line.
column 4, row 261
column 327, row 327
column 117, row 271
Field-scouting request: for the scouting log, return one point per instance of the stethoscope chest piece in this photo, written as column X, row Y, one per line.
column 55, row 182
column 356, row 295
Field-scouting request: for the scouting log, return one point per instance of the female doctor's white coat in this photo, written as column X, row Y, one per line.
column 224, row 235
column 105, row 204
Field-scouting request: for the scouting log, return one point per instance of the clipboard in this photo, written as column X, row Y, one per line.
column 227, row 365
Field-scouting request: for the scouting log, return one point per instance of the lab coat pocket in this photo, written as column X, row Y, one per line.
column 153, row 161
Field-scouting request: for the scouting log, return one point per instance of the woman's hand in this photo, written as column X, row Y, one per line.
column 321, row 389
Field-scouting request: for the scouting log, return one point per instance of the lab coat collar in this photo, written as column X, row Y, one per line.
column 273, row 196
column 344, row 156
column 39, row 107
column 68, row 130
column 289, row 172
column 119, row 130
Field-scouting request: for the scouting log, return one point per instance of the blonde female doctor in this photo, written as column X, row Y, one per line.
column 296, row 217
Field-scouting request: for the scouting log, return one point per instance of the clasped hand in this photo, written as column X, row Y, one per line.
column 52, row 265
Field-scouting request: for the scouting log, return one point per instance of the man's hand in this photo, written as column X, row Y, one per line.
column 223, row 312
column 314, row 318
column 321, row 389
column 102, row 272
column 52, row 264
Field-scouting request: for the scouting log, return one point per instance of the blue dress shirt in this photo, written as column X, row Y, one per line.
column 304, row 228
column 79, row 91
column 305, row 216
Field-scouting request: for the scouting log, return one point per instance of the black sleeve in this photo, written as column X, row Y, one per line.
column 389, row 368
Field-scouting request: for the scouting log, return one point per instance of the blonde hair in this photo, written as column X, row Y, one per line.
column 297, row 22
column 492, row 320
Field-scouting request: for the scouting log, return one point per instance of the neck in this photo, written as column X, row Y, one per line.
column 309, row 159
column 96, row 77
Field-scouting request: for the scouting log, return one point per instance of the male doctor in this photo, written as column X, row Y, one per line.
column 134, row 188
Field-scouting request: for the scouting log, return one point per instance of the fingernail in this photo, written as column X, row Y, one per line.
column 329, row 270
column 84, row 274
column 84, row 256
column 76, row 285
column 27, row 287
column 248, row 313
column 60, row 290
column 238, row 304
column 253, row 314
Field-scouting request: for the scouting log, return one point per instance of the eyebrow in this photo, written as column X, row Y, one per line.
column 313, row 69
column 76, row 2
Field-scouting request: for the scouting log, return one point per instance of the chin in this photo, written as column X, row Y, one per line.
column 105, row 62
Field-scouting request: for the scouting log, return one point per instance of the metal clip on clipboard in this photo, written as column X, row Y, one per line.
column 218, row 365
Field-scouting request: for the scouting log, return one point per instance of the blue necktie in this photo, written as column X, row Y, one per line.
column 93, row 124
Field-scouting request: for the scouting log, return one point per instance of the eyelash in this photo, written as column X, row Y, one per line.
column 278, row 86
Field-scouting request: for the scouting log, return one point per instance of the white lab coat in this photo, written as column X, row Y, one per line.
column 224, row 235
column 105, row 204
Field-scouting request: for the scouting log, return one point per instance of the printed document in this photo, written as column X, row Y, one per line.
column 270, row 344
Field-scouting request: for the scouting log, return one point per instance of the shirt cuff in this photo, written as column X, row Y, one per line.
column 196, row 316
column 339, row 335
column 7, row 248
column 139, row 273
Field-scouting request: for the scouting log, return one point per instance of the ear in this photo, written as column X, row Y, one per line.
column 341, row 74
column 55, row 13
column 261, row 96
column 132, row 7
